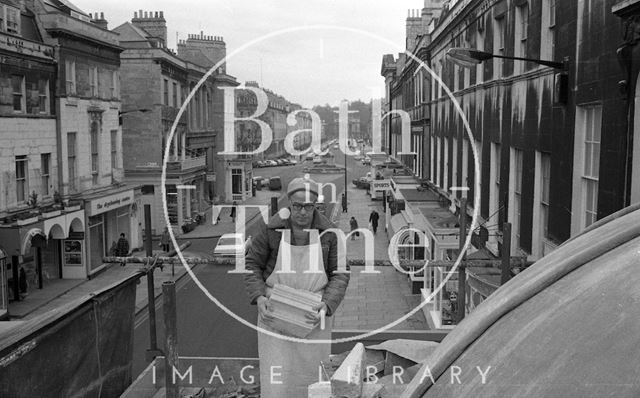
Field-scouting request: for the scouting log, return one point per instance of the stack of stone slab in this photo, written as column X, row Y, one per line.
column 290, row 307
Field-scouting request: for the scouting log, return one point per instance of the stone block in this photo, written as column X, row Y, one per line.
column 323, row 390
column 347, row 380
column 289, row 309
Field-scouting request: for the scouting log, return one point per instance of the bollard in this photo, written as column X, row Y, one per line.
column 274, row 205
column 171, row 338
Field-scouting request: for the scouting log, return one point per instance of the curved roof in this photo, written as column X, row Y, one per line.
column 568, row 326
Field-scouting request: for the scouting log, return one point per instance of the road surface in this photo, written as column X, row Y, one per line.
column 203, row 328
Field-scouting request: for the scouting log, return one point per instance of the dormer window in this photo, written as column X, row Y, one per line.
column 9, row 19
column 13, row 21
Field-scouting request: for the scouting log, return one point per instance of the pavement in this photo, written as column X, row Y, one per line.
column 371, row 301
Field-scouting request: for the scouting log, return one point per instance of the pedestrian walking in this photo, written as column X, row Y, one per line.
column 233, row 211
column 122, row 247
column 373, row 219
column 354, row 226
column 297, row 362
column 165, row 240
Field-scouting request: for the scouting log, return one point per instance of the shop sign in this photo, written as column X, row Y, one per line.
column 381, row 185
column 108, row 203
column 211, row 177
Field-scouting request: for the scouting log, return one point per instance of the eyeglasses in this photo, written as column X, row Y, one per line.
column 307, row 206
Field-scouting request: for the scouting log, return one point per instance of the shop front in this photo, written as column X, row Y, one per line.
column 239, row 175
column 34, row 252
column 107, row 216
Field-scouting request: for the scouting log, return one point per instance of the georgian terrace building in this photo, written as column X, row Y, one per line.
column 555, row 146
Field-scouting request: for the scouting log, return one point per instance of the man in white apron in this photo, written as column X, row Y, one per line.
column 287, row 368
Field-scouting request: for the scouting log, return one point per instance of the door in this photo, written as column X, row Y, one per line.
column 72, row 259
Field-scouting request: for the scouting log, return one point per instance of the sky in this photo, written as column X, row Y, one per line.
column 312, row 52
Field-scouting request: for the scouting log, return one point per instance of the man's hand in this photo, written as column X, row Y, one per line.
column 264, row 309
column 320, row 311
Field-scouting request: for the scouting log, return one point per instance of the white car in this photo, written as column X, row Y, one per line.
column 231, row 245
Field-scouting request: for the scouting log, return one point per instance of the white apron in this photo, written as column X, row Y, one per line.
column 294, row 365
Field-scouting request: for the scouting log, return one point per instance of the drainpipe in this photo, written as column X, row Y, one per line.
column 58, row 123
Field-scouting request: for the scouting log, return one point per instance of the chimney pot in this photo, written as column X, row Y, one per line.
column 140, row 14
column 135, row 14
column 101, row 15
column 156, row 14
column 161, row 14
column 90, row 17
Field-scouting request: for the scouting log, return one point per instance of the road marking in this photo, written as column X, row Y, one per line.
column 186, row 187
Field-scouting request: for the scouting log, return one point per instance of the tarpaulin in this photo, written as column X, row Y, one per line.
column 83, row 349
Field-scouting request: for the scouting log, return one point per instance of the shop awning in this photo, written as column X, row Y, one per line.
column 397, row 223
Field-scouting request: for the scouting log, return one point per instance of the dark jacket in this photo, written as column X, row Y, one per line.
column 122, row 247
column 263, row 253
column 373, row 218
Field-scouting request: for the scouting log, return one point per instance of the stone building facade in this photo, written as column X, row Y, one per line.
column 556, row 145
column 28, row 156
column 89, row 135
column 538, row 131
column 156, row 85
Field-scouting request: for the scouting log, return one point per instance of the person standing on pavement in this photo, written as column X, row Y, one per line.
column 354, row 225
column 296, row 362
column 233, row 211
column 373, row 219
column 165, row 240
column 122, row 247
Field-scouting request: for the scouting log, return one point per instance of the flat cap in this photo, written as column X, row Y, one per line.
column 302, row 184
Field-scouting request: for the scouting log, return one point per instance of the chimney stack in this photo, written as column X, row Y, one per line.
column 152, row 22
column 97, row 19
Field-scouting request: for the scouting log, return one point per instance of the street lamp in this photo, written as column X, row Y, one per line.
column 122, row 113
column 469, row 58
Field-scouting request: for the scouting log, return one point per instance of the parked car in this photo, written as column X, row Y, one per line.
column 271, row 163
column 275, row 183
column 309, row 156
column 260, row 163
column 258, row 181
column 362, row 183
column 293, row 162
column 232, row 245
column 366, row 160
